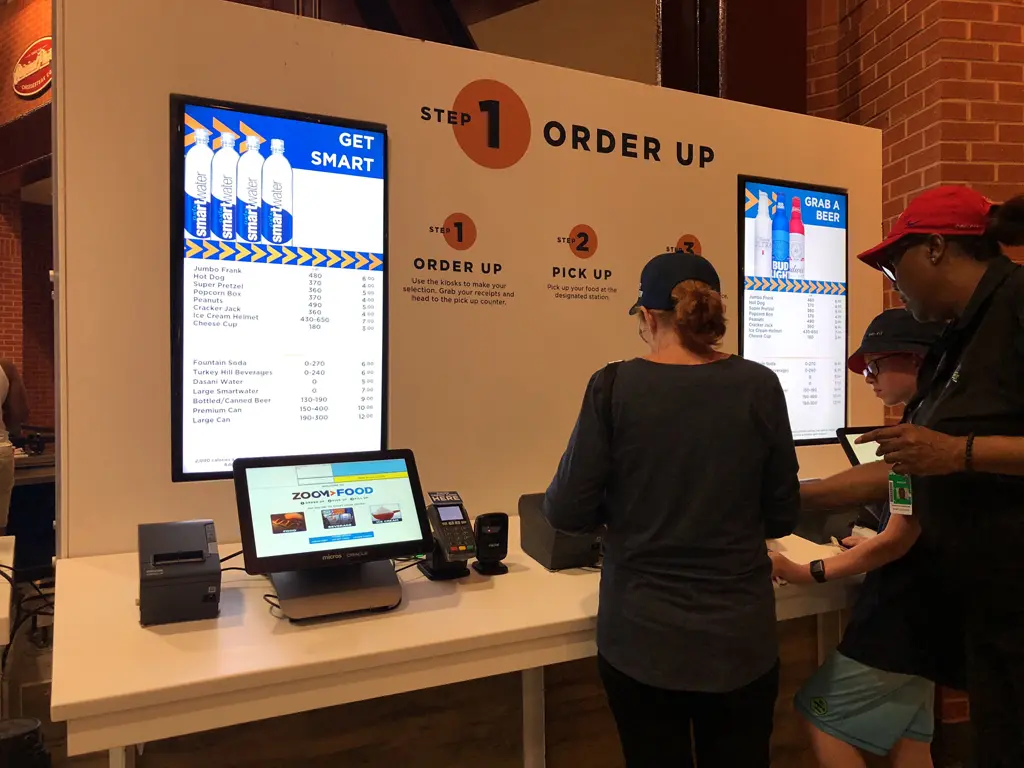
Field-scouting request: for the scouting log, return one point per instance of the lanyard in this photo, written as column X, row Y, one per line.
column 957, row 344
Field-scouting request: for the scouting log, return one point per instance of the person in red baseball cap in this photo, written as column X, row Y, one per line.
column 962, row 438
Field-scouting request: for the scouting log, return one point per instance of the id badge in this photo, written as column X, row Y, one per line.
column 901, row 498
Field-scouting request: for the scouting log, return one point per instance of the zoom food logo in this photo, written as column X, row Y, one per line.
column 296, row 495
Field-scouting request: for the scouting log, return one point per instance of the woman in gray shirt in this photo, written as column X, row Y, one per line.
column 687, row 456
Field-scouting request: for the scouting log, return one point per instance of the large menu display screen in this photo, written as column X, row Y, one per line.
column 793, row 273
column 279, row 289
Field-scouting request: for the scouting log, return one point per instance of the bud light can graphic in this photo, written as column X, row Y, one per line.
column 277, row 196
column 780, row 242
column 198, row 161
column 225, row 179
column 249, row 191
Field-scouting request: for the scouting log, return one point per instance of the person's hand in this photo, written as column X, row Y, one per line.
column 785, row 569
column 852, row 541
column 914, row 450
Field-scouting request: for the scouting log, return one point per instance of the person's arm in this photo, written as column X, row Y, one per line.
column 15, row 407
column 863, row 484
column 574, row 500
column 888, row 546
column 998, row 455
column 780, row 486
column 915, row 450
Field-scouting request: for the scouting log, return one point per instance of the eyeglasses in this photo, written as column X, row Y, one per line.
column 889, row 265
column 874, row 368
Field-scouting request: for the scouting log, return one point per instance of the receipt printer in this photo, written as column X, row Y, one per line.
column 553, row 549
column 179, row 572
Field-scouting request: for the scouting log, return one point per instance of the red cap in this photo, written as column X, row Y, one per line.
column 950, row 210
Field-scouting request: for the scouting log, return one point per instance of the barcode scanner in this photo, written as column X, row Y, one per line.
column 491, row 534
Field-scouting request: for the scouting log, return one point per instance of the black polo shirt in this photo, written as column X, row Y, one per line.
column 893, row 622
column 972, row 381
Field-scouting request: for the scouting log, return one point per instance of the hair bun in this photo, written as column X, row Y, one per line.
column 1006, row 222
column 699, row 315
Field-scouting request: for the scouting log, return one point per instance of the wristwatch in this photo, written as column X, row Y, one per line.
column 818, row 571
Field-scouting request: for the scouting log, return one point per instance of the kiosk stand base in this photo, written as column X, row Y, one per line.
column 493, row 568
column 330, row 591
column 436, row 568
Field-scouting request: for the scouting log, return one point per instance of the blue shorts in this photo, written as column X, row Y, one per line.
column 866, row 707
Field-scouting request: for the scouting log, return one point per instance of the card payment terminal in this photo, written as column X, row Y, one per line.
column 454, row 543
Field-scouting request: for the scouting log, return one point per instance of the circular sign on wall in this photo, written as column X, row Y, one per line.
column 689, row 244
column 583, row 241
column 33, row 72
column 497, row 132
column 459, row 232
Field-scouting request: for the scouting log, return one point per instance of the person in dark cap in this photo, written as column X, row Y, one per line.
column 876, row 692
column 687, row 457
column 891, row 352
column 961, row 443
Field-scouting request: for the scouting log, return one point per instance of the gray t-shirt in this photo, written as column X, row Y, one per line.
column 696, row 469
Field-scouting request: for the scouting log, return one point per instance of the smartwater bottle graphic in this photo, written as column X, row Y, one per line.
column 763, row 238
column 780, row 242
column 277, row 196
column 197, row 185
column 797, row 262
column 225, row 179
column 249, row 191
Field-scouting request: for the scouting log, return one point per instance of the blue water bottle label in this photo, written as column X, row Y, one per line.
column 197, row 217
column 277, row 225
column 249, row 221
column 223, row 219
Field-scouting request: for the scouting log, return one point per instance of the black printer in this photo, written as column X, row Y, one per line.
column 179, row 572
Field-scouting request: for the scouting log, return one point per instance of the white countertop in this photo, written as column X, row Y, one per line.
column 105, row 664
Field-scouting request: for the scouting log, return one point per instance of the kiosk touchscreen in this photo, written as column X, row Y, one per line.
column 326, row 528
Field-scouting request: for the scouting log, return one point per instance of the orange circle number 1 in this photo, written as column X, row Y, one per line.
column 459, row 232
column 493, row 127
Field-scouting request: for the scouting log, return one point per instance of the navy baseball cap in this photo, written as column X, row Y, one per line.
column 895, row 331
column 667, row 270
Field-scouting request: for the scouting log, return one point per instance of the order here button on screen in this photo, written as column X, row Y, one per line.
column 340, row 537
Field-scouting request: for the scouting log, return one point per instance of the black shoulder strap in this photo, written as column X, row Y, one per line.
column 607, row 386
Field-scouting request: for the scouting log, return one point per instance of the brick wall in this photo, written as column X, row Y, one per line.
column 944, row 82
column 10, row 278
column 942, row 79
column 37, row 308
column 26, row 309
column 21, row 23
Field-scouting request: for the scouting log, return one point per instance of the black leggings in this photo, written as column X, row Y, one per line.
column 730, row 730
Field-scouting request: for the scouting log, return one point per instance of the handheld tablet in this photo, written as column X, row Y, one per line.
column 857, row 454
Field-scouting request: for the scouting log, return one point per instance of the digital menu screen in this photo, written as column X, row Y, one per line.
column 279, row 286
column 793, row 273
